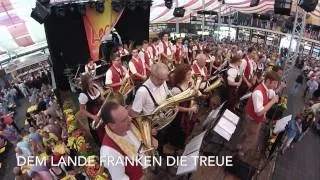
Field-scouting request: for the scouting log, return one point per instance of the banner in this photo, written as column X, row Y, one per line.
column 97, row 25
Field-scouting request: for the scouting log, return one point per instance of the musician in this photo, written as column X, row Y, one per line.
column 137, row 68
column 122, row 51
column 165, row 50
column 152, row 92
column 145, row 56
column 234, row 81
column 199, row 47
column 209, row 59
column 199, row 67
column 122, row 139
column 178, row 51
column 217, row 61
column 191, row 52
column 247, row 69
column 91, row 67
column 258, row 104
column 117, row 74
column 90, row 102
column 154, row 49
column 182, row 125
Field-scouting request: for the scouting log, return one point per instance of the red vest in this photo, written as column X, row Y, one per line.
column 133, row 172
column 250, row 108
column 165, row 47
column 197, row 72
column 154, row 51
column 146, row 57
column 139, row 67
column 178, row 53
column 116, row 77
column 248, row 69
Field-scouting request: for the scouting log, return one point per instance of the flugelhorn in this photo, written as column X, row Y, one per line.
column 126, row 87
column 214, row 85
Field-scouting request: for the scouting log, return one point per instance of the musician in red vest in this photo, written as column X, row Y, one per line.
column 165, row 50
column 137, row 68
column 122, row 143
column 247, row 69
column 261, row 100
column 122, row 51
column 199, row 67
column 178, row 51
column 154, row 49
column 116, row 74
column 145, row 56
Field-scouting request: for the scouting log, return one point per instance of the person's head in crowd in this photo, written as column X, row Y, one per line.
column 271, row 80
column 116, row 117
column 278, row 70
column 251, row 52
column 299, row 118
column 236, row 60
column 206, row 51
column 191, row 43
column 159, row 74
column 179, row 41
column 135, row 52
column 182, row 73
column 201, row 60
column 145, row 44
column 116, row 60
column 90, row 61
column 86, row 82
column 155, row 41
column 120, row 47
column 165, row 36
column 214, row 101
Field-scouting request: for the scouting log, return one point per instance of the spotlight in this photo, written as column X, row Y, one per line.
column 100, row 7
column 60, row 11
column 82, row 9
column 131, row 5
column 168, row 3
column 117, row 5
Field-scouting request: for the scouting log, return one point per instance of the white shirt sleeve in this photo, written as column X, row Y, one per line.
column 132, row 68
column 257, row 99
column 141, row 56
column 243, row 65
column 232, row 74
column 108, row 77
column 127, row 72
column 175, row 91
column 139, row 100
column 161, row 50
column 83, row 98
column 109, row 158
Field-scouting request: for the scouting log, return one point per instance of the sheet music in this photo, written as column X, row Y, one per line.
column 231, row 117
column 281, row 124
column 194, row 144
column 227, row 125
column 222, row 132
column 191, row 164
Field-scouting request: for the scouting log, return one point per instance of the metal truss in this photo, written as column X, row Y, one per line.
column 297, row 34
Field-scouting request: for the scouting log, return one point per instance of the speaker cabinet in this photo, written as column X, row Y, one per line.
column 179, row 12
column 282, row 7
column 308, row 5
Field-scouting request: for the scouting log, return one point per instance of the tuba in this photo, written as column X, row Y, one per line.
column 143, row 124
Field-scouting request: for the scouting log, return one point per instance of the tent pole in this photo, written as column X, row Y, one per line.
column 203, row 18
column 177, row 19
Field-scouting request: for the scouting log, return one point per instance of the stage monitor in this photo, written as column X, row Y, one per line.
column 308, row 5
column 282, row 7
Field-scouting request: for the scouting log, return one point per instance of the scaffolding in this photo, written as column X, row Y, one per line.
column 297, row 34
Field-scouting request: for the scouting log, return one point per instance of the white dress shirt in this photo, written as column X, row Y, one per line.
column 257, row 98
column 117, row 170
column 141, row 56
column 143, row 102
column 150, row 49
column 109, row 75
column 244, row 65
column 233, row 72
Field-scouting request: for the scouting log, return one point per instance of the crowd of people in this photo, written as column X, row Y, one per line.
column 157, row 70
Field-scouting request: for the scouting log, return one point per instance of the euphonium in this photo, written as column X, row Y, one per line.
column 214, row 85
column 127, row 87
column 165, row 113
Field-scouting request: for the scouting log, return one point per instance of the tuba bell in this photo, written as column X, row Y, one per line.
column 143, row 124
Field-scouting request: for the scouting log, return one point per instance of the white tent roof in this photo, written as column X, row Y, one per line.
column 161, row 14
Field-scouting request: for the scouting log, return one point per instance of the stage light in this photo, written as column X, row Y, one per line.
column 82, row 9
column 132, row 4
column 100, row 7
column 60, row 11
column 117, row 5
column 168, row 3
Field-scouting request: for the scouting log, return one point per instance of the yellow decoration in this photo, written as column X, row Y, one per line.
column 69, row 177
column 44, row 156
column 31, row 109
column 59, row 149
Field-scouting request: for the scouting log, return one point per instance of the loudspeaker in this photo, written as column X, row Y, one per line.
column 179, row 12
column 241, row 169
column 308, row 5
column 282, row 7
column 40, row 13
column 254, row 3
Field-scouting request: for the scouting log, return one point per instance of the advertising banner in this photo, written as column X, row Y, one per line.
column 97, row 25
